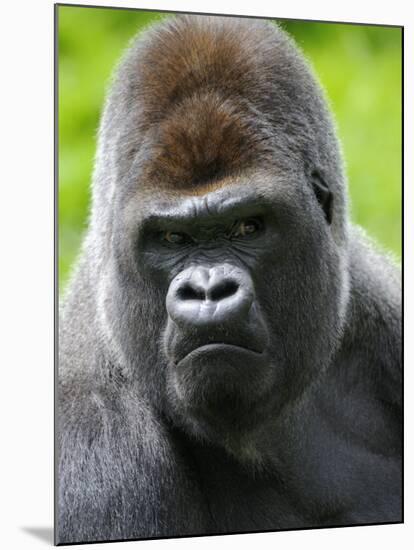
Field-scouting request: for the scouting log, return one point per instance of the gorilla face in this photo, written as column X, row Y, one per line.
column 242, row 278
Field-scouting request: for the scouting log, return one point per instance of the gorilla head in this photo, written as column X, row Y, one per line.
column 218, row 232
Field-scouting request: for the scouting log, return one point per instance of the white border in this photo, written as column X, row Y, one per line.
column 26, row 260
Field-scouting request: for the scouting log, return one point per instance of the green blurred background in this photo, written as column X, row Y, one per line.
column 359, row 66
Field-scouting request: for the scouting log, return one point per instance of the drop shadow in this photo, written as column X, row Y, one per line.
column 44, row 534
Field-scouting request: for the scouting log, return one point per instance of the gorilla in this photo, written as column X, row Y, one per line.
column 230, row 344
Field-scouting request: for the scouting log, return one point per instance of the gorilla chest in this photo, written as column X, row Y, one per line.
column 239, row 500
column 328, row 482
column 239, row 507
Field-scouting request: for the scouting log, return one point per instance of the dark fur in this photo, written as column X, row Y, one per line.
column 204, row 109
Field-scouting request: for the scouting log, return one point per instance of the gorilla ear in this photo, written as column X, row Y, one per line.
column 323, row 194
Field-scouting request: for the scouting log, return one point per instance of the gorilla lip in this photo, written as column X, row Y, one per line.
column 220, row 347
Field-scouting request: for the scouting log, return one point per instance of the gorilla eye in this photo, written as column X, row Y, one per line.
column 174, row 237
column 246, row 228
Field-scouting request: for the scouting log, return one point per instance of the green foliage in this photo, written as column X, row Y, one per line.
column 359, row 66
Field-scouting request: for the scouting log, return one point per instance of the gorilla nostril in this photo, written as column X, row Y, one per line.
column 189, row 292
column 223, row 290
column 219, row 291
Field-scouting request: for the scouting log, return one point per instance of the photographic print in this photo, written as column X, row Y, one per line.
column 229, row 233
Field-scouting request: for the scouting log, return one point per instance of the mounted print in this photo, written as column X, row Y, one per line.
column 229, row 329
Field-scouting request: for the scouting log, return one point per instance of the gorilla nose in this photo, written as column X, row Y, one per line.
column 202, row 296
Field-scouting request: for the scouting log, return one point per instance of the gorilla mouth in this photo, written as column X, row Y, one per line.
column 220, row 347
